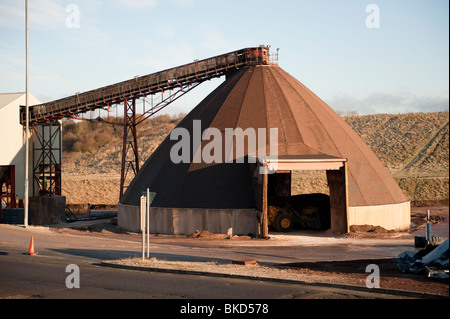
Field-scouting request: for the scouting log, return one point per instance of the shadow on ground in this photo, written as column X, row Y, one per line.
column 121, row 254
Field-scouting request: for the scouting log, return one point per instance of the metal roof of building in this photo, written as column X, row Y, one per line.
column 7, row 98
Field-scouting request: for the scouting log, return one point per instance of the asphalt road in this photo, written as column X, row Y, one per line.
column 44, row 276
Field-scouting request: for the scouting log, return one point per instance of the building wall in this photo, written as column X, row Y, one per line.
column 12, row 141
column 393, row 216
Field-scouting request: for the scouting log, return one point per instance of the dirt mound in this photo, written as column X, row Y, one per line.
column 94, row 176
column 207, row 234
column 430, row 203
column 369, row 229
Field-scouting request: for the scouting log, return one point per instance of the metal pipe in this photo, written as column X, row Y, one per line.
column 428, row 233
column 148, row 223
column 27, row 116
column 142, row 226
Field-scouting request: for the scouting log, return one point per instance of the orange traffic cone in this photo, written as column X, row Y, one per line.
column 31, row 249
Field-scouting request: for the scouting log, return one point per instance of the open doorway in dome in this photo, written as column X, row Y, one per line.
column 298, row 200
column 306, row 193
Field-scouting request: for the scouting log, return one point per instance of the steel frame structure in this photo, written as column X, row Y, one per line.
column 47, row 158
column 129, row 143
column 131, row 120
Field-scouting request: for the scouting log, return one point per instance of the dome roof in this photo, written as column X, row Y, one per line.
column 263, row 96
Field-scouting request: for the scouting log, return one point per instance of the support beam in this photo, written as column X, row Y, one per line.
column 264, row 232
column 130, row 154
column 338, row 186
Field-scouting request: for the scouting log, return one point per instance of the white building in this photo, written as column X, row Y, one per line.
column 12, row 149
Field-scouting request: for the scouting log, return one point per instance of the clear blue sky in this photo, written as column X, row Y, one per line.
column 402, row 66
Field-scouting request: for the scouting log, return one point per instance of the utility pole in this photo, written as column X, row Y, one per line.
column 25, row 218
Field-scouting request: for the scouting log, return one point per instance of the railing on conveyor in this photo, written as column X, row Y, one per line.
column 145, row 85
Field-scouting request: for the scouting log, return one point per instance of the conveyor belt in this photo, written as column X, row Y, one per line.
column 145, row 85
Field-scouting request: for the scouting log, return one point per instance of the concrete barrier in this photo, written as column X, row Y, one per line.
column 185, row 221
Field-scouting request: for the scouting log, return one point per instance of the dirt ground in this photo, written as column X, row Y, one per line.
column 353, row 272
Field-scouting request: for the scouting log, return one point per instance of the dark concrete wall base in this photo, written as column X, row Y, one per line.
column 47, row 210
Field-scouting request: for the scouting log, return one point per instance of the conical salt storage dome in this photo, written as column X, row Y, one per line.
column 219, row 196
